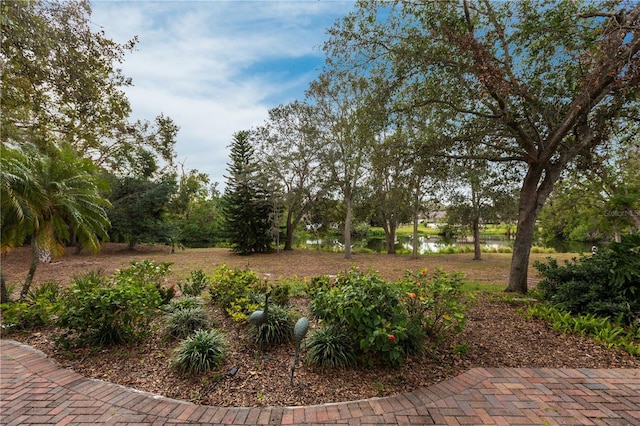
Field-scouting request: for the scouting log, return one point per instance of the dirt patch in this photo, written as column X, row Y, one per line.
column 497, row 334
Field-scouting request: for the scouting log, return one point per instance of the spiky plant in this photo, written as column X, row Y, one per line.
column 277, row 329
column 184, row 321
column 200, row 352
column 330, row 347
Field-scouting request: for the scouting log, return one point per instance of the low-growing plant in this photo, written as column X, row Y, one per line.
column 195, row 284
column 369, row 310
column 40, row 308
column 605, row 284
column 602, row 330
column 242, row 307
column 103, row 312
column 182, row 303
column 230, row 284
column 200, row 352
column 183, row 321
column 278, row 328
column 330, row 347
column 148, row 272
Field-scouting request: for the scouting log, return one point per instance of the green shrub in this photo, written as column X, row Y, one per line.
column 148, row 272
column 40, row 308
column 278, row 328
column 195, row 284
column 103, row 312
column 200, row 352
column 606, row 284
column 229, row 284
column 369, row 310
column 183, row 321
column 330, row 347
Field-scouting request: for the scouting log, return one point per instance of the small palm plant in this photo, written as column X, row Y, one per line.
column 200, row 352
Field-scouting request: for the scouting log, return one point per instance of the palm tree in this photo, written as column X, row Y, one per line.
column 61, row 196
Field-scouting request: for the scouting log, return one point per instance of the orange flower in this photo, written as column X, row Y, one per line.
column 411, row 295
column 424, row 271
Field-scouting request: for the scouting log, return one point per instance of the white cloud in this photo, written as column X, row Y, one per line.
column 217, row 67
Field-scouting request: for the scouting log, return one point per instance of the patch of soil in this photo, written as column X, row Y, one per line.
column 497, row 334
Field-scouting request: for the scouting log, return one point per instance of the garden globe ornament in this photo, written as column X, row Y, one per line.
column 299, row 331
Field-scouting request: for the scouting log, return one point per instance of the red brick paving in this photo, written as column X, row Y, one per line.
column 35, row 390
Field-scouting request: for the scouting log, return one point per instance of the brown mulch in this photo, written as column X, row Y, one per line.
column 498, row 334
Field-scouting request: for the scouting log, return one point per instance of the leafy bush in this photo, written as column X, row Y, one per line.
column 200, row 352
column 195, row 284
column 369, row 310
column 229, row 284
column 40, row 308
column 330, row 347
column 103, row 312
column 278, row 328
column 242, row 307
column 148, row 272
column 183, row 321
column 606, row 284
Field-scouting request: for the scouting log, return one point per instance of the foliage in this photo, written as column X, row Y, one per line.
column 40, row 308
column 369, row 310
column 195, row 284
column 200, row 352
column 532, row 84
column 181, row 322
column 184, row 302
column 278, row 328
column 103, row 312
column 148, row 272
column 330, row 347
column 434, row 302
column 606, row 284
column 140, row 206
column 242, row 307
column 601, row 329
column 229, row 284
column 246, row 203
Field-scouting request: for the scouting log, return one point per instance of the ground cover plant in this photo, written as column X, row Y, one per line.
column 497, row 330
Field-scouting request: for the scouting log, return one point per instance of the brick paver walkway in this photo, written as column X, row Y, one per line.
column 35, row 390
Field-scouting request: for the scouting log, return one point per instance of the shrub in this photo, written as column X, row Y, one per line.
column 200, row 352
column 103, row 312
column 330, row 347
column 148, row 272
column 42, row 305
column 369, row 310
column 183, row 321
column 606, row 284
column 230, row 284
column 278, row 328
column 195, row 284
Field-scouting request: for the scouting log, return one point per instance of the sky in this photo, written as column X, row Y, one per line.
column 217, row 67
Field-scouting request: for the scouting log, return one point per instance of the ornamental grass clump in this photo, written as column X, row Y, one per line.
column 200, row 352
column 330, row 347
column 184, row 321
column 278, row 328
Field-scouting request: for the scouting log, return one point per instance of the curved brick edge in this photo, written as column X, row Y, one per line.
column 35, row 390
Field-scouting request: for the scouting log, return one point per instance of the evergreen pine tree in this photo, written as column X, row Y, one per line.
column 246, row 200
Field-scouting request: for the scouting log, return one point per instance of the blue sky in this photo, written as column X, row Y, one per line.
column 217, row 67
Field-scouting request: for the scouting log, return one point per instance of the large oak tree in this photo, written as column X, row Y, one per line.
column 534, row 83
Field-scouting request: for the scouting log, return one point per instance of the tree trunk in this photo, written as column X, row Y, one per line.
column 414, row 252
column 347, row 230
column 477, row 253
column 390, row 238
column 32, row 269
column 4, row 292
